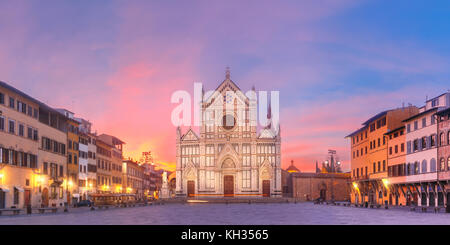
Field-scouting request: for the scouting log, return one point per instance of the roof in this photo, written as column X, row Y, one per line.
column 420, row 114
column 112, row 140
column 444, row 111
column 26, row 96
column 379, row 115
column 437, row 96
column 355, row 132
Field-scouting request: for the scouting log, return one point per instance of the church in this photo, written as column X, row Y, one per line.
column 231, row 156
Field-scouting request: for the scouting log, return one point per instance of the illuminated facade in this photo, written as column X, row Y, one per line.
column 369, row 155
column 133, row 178
column 73, row 157
column 103, row 167
column 115, row 161
column 229, row 157
column 423, row 187
column 19, row 172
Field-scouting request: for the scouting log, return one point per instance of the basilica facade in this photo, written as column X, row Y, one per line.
column 231, row 156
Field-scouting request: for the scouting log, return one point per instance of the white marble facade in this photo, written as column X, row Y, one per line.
column 228, row 159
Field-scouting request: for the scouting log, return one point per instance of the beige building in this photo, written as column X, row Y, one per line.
column 133, row 178
column 22, row 178
column 52, row 155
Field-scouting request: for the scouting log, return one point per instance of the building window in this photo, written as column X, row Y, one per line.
column 433, row 140
column 12, row 126
column 2, row 124
column 2, row 98
column 16, row 196
column 11, row 102
column 424, row 166
column 433, row 165
column 21, row 130
column 210, row 179
column 246, row 179
column 442, row 165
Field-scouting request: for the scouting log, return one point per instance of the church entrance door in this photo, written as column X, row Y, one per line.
column 228, row 186
column 266, row 188
column 191, row 188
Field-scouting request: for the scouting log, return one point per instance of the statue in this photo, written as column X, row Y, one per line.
column 165, row 187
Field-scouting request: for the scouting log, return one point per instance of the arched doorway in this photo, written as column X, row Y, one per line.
column 45, row 197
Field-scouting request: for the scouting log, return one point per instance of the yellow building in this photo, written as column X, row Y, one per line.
column 72, row 156
column 396, row 165
column 369, row 155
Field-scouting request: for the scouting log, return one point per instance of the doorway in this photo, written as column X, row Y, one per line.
column 323, row 194
column 266, row 188
column 45, row 197
column 2, row 199
column 191, row 188
column 228, row 186
column 27, row 197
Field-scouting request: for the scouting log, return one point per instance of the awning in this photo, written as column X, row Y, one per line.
column 19, row 188
column 55, row 184
column 4, row 188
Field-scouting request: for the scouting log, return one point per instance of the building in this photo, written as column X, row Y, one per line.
column 326, row 186
column 229, row 157
column 103, row 167
column 92, row 163
column 396, row 163
column 88, row 164
column 19, row 169
column 133, row 178
column 83, row 165
column 369, row 155
column 443, row 117
column 52, row 157
column 116, row 159
column 73, row 139
column 421, row 168
column 32, row 151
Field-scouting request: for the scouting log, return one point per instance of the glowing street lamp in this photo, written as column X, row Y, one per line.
column 385, row 183
column 355, row 185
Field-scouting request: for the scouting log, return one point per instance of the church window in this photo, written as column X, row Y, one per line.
column 246, row 177
column 246, row 161
column 209, row 179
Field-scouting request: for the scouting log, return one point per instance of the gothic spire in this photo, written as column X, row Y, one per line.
column 227, row 73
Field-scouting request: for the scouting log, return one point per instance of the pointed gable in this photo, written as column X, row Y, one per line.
column 266, row 134
column 190, row 136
